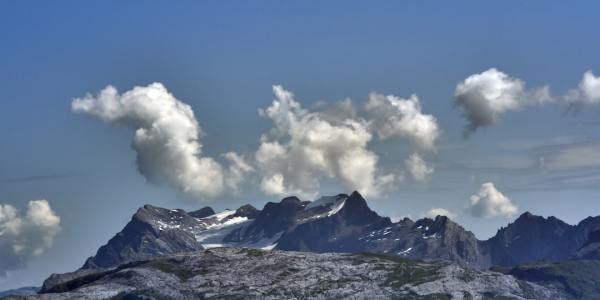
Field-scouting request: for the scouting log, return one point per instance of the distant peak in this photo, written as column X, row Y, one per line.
column 149, row 206
column 441, row 219
column 248, row 211
column 355, row 194
column 527, row 216
column 356, row 203
column 202, row 213
column 291, row 200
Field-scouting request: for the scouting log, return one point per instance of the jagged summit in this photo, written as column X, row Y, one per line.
column 202, row 213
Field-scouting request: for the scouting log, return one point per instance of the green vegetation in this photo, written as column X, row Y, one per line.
column 414, row 275
column 492, row 296
column 403, row 271
column 253, row 252
column 139, row 295
column 172, row 267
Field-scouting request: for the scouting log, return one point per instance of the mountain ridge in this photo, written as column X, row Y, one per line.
column 341, row 223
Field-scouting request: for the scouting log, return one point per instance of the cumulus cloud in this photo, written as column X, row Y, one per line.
column 588, row 91
column 304, row 147
column 418, row 168
column 23, row 237
column 394, row 117
column 436, row 211
column 166, row 140
column 490, row 202
column 484, row 97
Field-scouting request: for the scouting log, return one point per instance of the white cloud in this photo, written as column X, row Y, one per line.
column 22, row 237
column 305, row 147
column 238, row 168
column 436, row 211
column 394, row 117
column 588, row 91
column 490, row 202
column 418, row 168
column 167, row 139
column 484, row 97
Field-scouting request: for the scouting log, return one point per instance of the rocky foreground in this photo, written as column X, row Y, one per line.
column 235, row 273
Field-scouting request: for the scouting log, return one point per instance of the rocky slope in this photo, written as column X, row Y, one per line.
column 235, row 273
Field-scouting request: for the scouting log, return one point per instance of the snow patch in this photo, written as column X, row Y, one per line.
column 325, row 201
column 339, row 205
column 405, row 251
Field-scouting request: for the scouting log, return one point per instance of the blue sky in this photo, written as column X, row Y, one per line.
column 222, row 58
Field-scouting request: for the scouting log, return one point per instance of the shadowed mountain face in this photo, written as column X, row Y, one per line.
column 533, row 238
column 148, row 234
column 579, row 279
column 591, row 248
column 333, row 226
column 343, row 223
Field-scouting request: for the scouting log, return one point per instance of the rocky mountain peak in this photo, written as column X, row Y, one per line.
column 151, row 231
column 291, row 201
column 202, row 213
column 355, row 211
column 247, row 211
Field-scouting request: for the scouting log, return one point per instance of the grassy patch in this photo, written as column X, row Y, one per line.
column 414, row 275
column 403, row 271
column 172, row 268
column 493, row 296
column 139, row 295
column 253, row 252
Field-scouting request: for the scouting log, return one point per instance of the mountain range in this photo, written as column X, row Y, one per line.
column 160, row 250
column 345, row 224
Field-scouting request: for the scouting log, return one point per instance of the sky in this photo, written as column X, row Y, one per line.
column 477, row 110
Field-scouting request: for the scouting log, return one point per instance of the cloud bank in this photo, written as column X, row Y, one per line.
column 23, row 237
column 166, row 140
column 303, row 148
column 489, row 202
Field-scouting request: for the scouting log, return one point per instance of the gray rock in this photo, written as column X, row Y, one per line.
column 236, row 273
